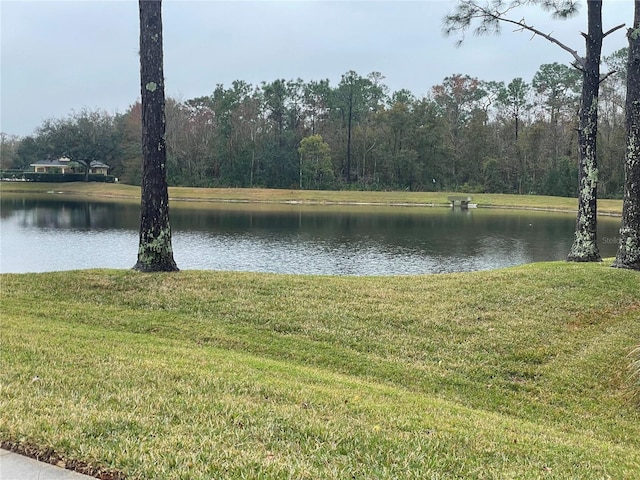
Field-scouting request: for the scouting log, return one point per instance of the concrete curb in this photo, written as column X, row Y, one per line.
column 18, row 467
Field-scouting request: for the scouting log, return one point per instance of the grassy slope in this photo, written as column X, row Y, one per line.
column 311, row 196
column 516, row 373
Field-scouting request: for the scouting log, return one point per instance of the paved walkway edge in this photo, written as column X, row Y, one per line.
column 18, row 467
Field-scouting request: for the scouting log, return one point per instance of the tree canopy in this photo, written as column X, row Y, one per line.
column 461, row 135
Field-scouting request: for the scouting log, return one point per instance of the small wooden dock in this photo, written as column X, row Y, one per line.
column 460, row 201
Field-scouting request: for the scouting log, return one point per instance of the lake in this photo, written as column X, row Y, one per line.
column 48, row 233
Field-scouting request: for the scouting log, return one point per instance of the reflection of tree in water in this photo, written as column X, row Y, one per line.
column 70, row 215
column 441, row 232
column 329, row 240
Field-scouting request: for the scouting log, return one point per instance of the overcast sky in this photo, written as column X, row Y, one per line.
column 62, row 56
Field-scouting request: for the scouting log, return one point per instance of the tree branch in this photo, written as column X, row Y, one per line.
column 607, row 75
column 523, row 26
column 491, row 17
column 613, row 30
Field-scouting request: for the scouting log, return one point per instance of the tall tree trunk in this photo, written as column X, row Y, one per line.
column 349, row 125
column 628, row 255
column 155, row 253
column 585, row 248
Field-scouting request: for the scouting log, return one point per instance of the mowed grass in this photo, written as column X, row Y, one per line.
column 516, row 373
column 192, row 194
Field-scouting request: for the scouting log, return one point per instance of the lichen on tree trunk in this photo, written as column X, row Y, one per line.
column 628, row 255
column 585, row 247
column 155, row 253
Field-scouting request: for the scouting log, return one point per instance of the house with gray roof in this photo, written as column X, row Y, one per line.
column 58, row 165
column 65, row 165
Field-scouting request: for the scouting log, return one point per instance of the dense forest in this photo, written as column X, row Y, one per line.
column 467, row 134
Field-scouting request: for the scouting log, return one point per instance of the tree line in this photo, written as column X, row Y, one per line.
column 466, row 134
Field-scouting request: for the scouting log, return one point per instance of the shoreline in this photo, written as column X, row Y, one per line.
column 613, row 208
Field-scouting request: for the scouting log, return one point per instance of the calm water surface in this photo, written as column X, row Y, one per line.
column 48, row 234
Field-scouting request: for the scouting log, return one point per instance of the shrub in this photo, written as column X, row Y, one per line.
column 60, row 177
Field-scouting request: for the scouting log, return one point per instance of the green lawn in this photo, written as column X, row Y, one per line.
column 518, row 373
column 177, row 194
